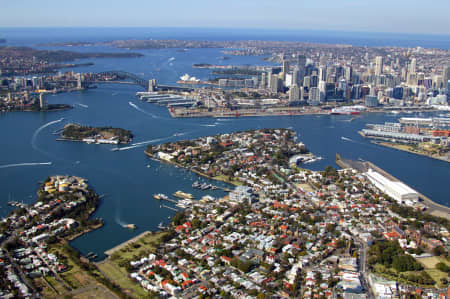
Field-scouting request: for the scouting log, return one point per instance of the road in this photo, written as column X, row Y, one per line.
column 363, row 267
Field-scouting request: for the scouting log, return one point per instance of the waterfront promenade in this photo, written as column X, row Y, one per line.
column 122, row 245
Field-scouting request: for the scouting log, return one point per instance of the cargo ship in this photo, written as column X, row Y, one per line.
column 344, row 111
column 181, row 194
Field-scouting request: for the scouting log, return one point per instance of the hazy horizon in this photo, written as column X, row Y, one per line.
column 407, row 17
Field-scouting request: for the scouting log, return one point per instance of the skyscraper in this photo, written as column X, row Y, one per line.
column 322, row 90
column 323, row 73
column 445, row 74
column 285, row 69
column 301, row 65
column 413, row 66
column 274, row 86
column 295, row 78
column 348, row 72
column 378, row 65
column 294, row 93
column 263, row 81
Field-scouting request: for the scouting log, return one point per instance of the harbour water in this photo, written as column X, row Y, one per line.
column 30, row 153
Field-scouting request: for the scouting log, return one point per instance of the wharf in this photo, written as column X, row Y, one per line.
column 170, row 208
column 122, row 245
column 169, row 200
column 277, row 111
column 433, row 208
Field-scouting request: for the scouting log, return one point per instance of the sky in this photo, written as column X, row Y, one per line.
column 412, row 16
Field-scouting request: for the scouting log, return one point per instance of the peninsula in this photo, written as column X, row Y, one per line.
column 421, row 136
column 285, row 231
column 36, row 259
column 26, row 61
column 107, row 135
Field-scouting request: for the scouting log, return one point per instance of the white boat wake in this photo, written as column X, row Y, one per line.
column 211, row 125
column 82, row 105
column 141, row 144
column 142, row 110
column 24, row 164
column 347, row 139
column 36, row 133
column 120, row 222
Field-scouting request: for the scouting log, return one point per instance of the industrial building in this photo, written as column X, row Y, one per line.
column 397, row 190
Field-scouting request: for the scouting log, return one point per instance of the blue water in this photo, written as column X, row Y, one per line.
column 123, row 176
column 31, row 36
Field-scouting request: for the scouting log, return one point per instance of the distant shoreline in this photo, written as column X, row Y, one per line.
column 394, row 146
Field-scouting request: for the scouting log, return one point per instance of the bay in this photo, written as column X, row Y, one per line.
column 123, row 176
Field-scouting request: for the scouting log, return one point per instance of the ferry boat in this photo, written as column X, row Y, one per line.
column 160, row 196
column 130, row 226
column 205, row 186
column 161, row 226
column 181, row 194
column 344, row 111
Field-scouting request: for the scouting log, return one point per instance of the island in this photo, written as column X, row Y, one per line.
column 103, row 135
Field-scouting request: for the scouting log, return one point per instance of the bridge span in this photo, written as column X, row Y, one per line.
column 149, row 85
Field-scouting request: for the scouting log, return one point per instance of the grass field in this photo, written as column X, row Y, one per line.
column 111, row 269
column 120, row 276
column 75, row 277
column 95, row 292
column 430, row 262
column 145, row 245
column 430, row 267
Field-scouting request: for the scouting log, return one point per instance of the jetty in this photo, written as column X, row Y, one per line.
column 168, row 199
column 170, row 208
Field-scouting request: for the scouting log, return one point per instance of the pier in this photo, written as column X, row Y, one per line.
column 170, row 208
column 169, row 200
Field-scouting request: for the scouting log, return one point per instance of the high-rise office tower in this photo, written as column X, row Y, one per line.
column 445, row 74
column 323, row 60
column 295, row 78
column 263, row 83
column 413, row 66
column 378, row 65
column 285, row 68
column 322, row 90
column 323, row 73
column 348, row 72
column 274, row 85
column 294, row 93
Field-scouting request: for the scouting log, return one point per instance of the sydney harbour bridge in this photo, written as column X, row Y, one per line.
column 149, row 85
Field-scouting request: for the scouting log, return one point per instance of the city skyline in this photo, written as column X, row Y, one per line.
column 399, row 17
